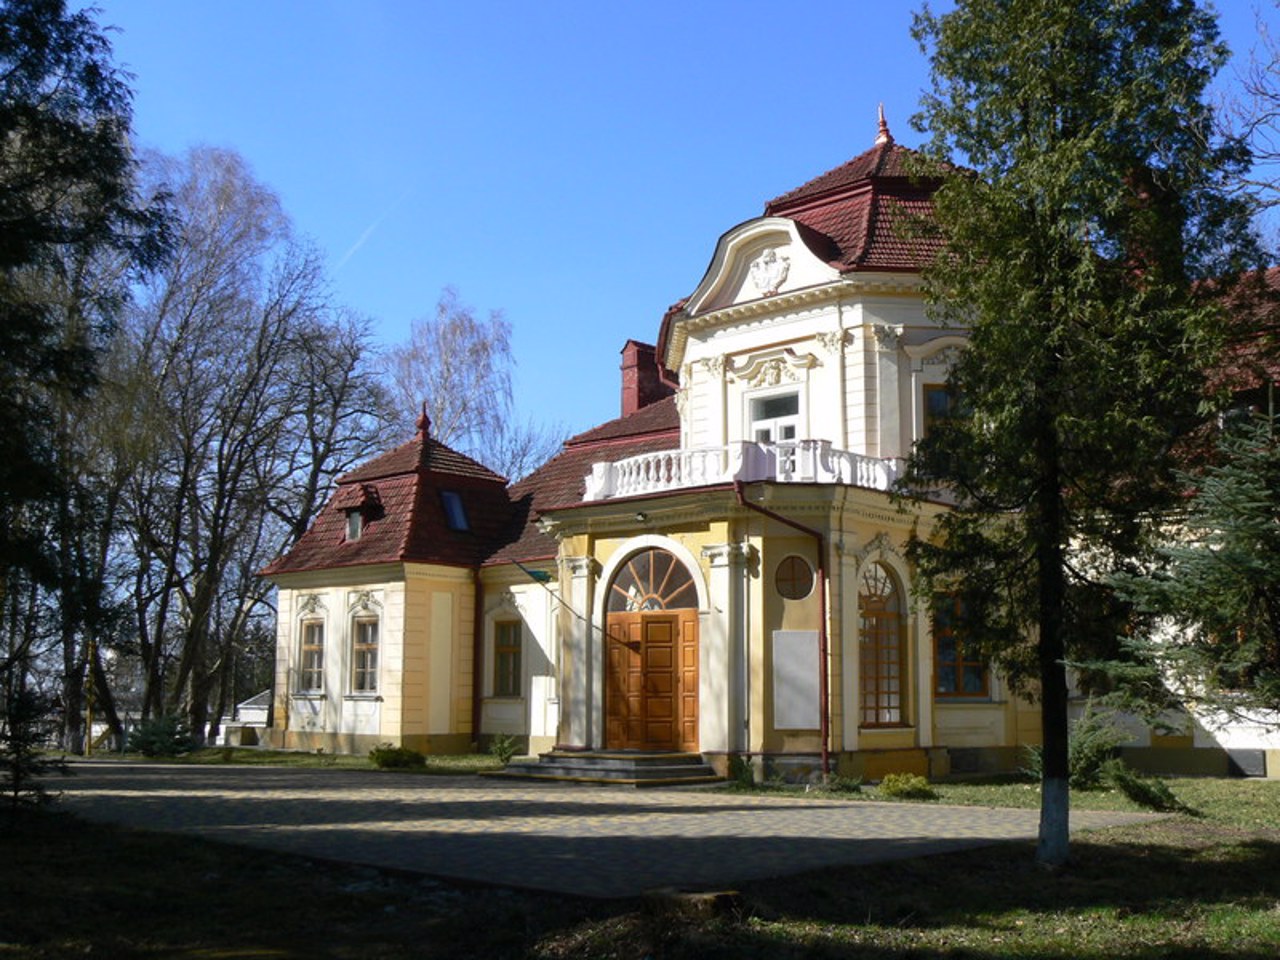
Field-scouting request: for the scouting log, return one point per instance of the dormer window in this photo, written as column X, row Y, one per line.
column 355, row 524
column 455, row 514
column 359, row 504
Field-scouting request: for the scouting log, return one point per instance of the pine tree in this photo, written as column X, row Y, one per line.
column 1211, row 604
column 1090, row 200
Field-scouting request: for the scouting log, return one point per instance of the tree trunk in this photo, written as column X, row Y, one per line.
column 1048, row 531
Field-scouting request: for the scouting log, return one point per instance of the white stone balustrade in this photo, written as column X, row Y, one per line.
column 794, row 461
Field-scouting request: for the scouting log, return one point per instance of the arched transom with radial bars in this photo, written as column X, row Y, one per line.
column 651, row 670
column 652, row 579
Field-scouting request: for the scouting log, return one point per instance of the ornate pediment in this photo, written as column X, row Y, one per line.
column 773, row 368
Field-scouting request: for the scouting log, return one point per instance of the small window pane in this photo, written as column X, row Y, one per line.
column 455, row 514
column 768, row 408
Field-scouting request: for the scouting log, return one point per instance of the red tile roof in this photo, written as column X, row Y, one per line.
column 559, row 481
column 870, row 211
column 1251, row 358
column 398, row 496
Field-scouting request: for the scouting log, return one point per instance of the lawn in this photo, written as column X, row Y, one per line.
column 439, row 764
column 1203, row 887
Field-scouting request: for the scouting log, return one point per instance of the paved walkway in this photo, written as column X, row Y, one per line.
column 589, row 841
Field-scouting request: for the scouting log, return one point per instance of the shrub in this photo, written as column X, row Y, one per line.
column 1092, row 741
column 386, row 757
column 839, row 784
column 503, row 747
column 162, row 736
column 741, row 773
column 24, row 719
column 1144, row 791
column 907, row 786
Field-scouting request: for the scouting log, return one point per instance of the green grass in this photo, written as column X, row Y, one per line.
column 1188, row 888
column 440, row 764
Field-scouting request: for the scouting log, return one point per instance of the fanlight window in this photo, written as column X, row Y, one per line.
column 652, row 580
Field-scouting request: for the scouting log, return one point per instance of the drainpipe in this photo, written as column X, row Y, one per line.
column 477, row 656
column 739, row 489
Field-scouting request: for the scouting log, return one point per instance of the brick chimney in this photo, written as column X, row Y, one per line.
column 642, row 383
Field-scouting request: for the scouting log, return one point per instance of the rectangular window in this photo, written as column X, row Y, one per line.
column 364, row 657
column 775, row 419
column 506, row 658
column 311, row 659
column 355, row 524
column 939, row 404
column 957, row 672
column 455, row 514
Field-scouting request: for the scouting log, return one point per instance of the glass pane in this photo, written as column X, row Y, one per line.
column 974, row 679
column 769, row 408
column 946, row 679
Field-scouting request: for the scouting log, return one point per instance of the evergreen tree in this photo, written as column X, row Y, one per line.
column 1211, row 605
column 72, row 234
column 1092, row 201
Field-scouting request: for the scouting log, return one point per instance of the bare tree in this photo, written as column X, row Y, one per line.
column 250, row 393
column 1254, row 116
column 459, row 365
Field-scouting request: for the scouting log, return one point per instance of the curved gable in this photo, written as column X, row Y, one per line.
column 757, row 260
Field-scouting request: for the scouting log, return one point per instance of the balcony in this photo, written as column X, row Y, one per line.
column 792, row 461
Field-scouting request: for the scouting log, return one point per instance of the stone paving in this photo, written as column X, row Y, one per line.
column 587, row 841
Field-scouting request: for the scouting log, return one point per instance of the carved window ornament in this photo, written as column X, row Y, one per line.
column 774, row 368
column 769, row 271
column 310, row 604
column 363, row 600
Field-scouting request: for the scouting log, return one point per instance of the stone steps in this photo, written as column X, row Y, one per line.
column 615, row 768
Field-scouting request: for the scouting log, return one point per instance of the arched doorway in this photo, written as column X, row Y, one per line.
column 651, row 666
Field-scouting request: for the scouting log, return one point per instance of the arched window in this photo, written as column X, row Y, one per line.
column 652, row 579
column 883, row 659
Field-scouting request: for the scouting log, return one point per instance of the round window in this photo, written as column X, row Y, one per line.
column 794, row 578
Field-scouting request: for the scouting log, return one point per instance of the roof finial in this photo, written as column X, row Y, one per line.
column 424, row 421
column 884, row 136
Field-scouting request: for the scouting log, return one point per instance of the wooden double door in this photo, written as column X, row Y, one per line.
column 651, row 681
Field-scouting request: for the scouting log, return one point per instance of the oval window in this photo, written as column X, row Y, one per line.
column 794, row 578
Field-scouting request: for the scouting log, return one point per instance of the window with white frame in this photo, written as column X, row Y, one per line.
column 507, row 637
column 311, row 657
column 775, row 418
column 364, row 655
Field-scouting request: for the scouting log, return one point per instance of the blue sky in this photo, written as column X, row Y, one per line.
column 571, row 163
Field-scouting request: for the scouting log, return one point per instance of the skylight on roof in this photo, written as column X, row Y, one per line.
column 455, row 514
